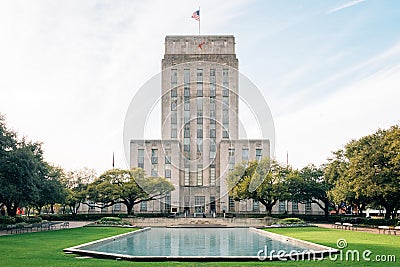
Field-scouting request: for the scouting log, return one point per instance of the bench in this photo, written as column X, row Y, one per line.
column 64, row 225
column 384, row 229
column 349, row 226
column 337, row 225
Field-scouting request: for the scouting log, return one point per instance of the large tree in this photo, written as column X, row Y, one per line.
column 128, row 187
column 20, row 172
column 76, row 183
column 374, row 168
column 263, row 181
column 50, row 189
column 311, row 185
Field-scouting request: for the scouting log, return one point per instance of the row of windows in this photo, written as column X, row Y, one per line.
column 199, row 76
column 186, row 142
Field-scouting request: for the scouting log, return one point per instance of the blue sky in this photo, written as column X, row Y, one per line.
column 330, row 70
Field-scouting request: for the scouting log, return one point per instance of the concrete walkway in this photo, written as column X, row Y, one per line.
column 72, row 224
column 359, row 229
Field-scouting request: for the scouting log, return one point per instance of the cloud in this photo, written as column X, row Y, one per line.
column 352, row 3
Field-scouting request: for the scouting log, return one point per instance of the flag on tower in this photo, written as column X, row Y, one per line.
column 113, row 161
column 196, row 15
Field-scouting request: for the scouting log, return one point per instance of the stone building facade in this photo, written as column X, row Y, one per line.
column 200, row 128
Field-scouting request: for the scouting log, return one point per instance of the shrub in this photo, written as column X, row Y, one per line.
column 33, row 220
column 290, row 221
column 7, row 220
column 110, row 219
column 19, row 219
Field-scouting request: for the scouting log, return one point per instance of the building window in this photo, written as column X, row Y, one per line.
column 225, row 76
column 199, row 145
column 186, row 91
column 187, row 177
column 174, row 81
column 174, row 92
column 295, row 206
column 168, row 171
column 117, row 207
column 186, row 117
column 213, row 133
column 282, row 205
column 199, row 204
column 143, row 206
column 167, row 204
column 231, row 204
column 186, row 144
column 256, row 205
column 199, row 103
column 225, row 103
column 212, row 103
column 174, row 118
column 174, row 101
column 199, row 130
column 174, row 77
column 141, row 158
column 212, row 175
column 212, row 90
column 258, row 154
column 200, row 82
column 186, row 76
column 154, row 170
column 199, row 175
column 174, row 132
column 212, row 82
column 186, row 105
column 231, row 154
column 245, row 154
column 154, row 156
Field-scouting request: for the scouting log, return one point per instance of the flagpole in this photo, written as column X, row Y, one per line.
column 199, row 20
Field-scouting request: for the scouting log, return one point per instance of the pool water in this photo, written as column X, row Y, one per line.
column 192, row 242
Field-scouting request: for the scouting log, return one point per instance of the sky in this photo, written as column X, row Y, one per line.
column 329, row 70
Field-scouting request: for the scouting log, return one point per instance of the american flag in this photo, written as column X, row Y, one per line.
column 196, row 15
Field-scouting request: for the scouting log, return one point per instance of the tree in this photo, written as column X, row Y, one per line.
column 262, row 181
column 311, row 185
column 76, row 183
column 20, row 170
column 374, row 168
column 129, row 187
column 344, row 190
column 50, row 189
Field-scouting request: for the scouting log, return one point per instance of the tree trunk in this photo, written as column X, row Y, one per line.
column 389, row 211
column 11, row 210
column 52, row 208
column 129, row 208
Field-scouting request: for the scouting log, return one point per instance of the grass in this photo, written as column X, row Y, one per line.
column 46, row 248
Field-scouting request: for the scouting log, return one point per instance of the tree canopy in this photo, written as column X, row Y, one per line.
column 268, row 174
column 129, row 187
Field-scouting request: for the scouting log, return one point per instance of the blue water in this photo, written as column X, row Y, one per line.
column 192, row 242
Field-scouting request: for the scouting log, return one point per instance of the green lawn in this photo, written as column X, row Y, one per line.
column 46, row 248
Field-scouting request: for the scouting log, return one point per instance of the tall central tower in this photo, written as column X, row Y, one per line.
column 199, row 87
column 199, row 108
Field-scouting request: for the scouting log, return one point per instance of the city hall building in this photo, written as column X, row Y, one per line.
column 200, row 141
